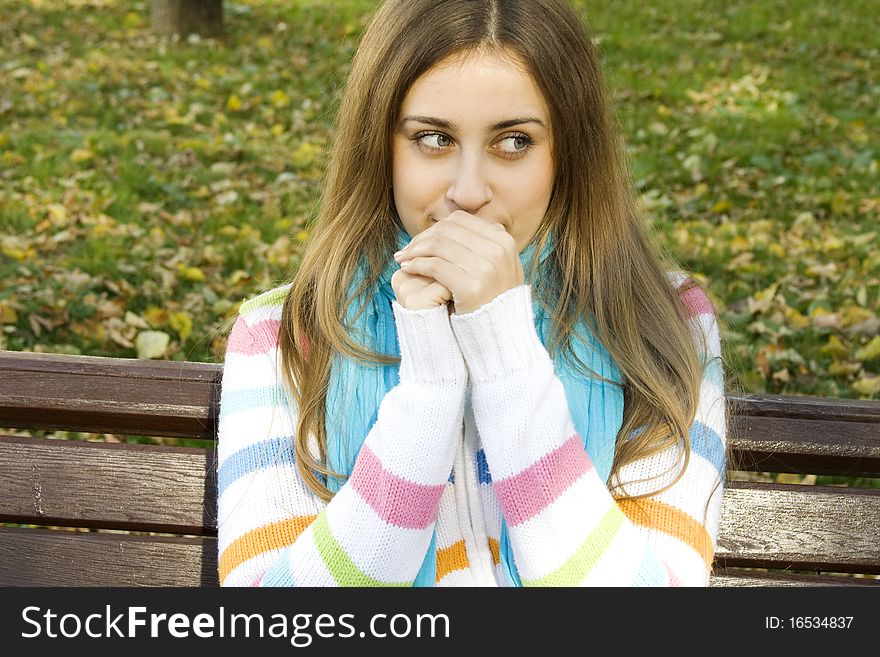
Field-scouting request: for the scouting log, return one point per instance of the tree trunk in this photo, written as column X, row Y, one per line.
column 202, row 17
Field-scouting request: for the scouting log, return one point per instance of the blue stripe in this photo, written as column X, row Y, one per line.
column 651, row 571
column 708, row 444
column 713, row 372
column 247, row 399
column 263, row 454
column 279, row 573
column 483, row 468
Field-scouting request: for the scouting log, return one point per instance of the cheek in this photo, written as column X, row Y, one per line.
column 413, row 182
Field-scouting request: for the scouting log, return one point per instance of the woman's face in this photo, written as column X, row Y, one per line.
column 474, row 135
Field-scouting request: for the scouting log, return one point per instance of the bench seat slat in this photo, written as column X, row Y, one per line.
column 106, row 485
column 40, row 557
column 800, row 527
column 43, row 557
column 732, row 577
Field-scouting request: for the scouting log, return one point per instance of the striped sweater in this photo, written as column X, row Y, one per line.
column 478, row 428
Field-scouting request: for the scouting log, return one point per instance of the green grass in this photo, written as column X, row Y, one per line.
column 171, row 178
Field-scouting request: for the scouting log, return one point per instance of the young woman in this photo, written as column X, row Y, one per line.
column 483, row 372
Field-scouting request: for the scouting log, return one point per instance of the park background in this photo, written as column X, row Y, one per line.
column 149, row 184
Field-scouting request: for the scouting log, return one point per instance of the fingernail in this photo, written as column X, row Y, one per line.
column 406, row 265
column 397, row 255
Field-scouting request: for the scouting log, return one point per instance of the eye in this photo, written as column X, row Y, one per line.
column 432, row 141
column 516, row 144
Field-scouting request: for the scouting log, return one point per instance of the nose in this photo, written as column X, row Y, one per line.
column 469, row 188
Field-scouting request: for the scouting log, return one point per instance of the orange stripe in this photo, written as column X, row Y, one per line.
column 452, row 558
column 262, row 539
column 670, row 520
column 493, row 548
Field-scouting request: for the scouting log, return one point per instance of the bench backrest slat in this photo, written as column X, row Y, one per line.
column 82, row 393
column 110, row 486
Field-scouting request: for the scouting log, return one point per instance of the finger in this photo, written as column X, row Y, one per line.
column 491, row 230
column 480, row 262
column 454, row 242
column 442, row 271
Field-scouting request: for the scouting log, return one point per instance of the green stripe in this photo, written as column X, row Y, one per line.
column 337, row 561
column 274, row 297
column 579, row 565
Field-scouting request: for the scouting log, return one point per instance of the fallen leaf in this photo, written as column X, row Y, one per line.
column 870, row 351
column 870, row 327
column 824, row 319
column 182, row 323
column 152, row 344
column 135, row 320
column 869, row 384
column 834, row 348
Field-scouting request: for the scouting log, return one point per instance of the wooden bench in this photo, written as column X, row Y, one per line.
column 119, row 514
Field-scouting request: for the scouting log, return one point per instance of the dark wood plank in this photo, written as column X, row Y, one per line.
column 41, row 557
column 783, row 444
column 117, row 486
column 108, row 395
column 800, row 527
column 734, row 578
column 804, row 407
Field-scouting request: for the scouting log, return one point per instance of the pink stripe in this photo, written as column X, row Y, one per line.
column 696, row 302
column 673, row 580
column 526, row 494
column 257, row 339
column 397, row 501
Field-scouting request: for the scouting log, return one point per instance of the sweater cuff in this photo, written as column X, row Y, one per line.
column 428, row 350
column 499, row 337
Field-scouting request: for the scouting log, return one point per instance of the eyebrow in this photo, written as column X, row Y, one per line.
column 447, row 125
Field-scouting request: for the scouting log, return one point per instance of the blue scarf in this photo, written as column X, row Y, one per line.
column 356, row 389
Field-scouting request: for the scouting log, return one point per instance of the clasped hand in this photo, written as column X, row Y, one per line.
column 463, row 259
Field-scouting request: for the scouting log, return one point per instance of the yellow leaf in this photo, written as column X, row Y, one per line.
column 844, row 368
column 234, row 104
column 7, row 314
column 760, row 301
column 796, row 319
column 834, row 348
column 739, row 244
column 182, row 323
column 721, row 206
column 57, row 213
column 156, row 316
column 192, row 274
column 81, row 155
column 302, row 236
column 870, row 351
column 279, row 99
column 133, row 20
column 304, row 155
column 855, row 314
column 867, row 385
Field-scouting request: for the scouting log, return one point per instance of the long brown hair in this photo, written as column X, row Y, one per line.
column 604, row 265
